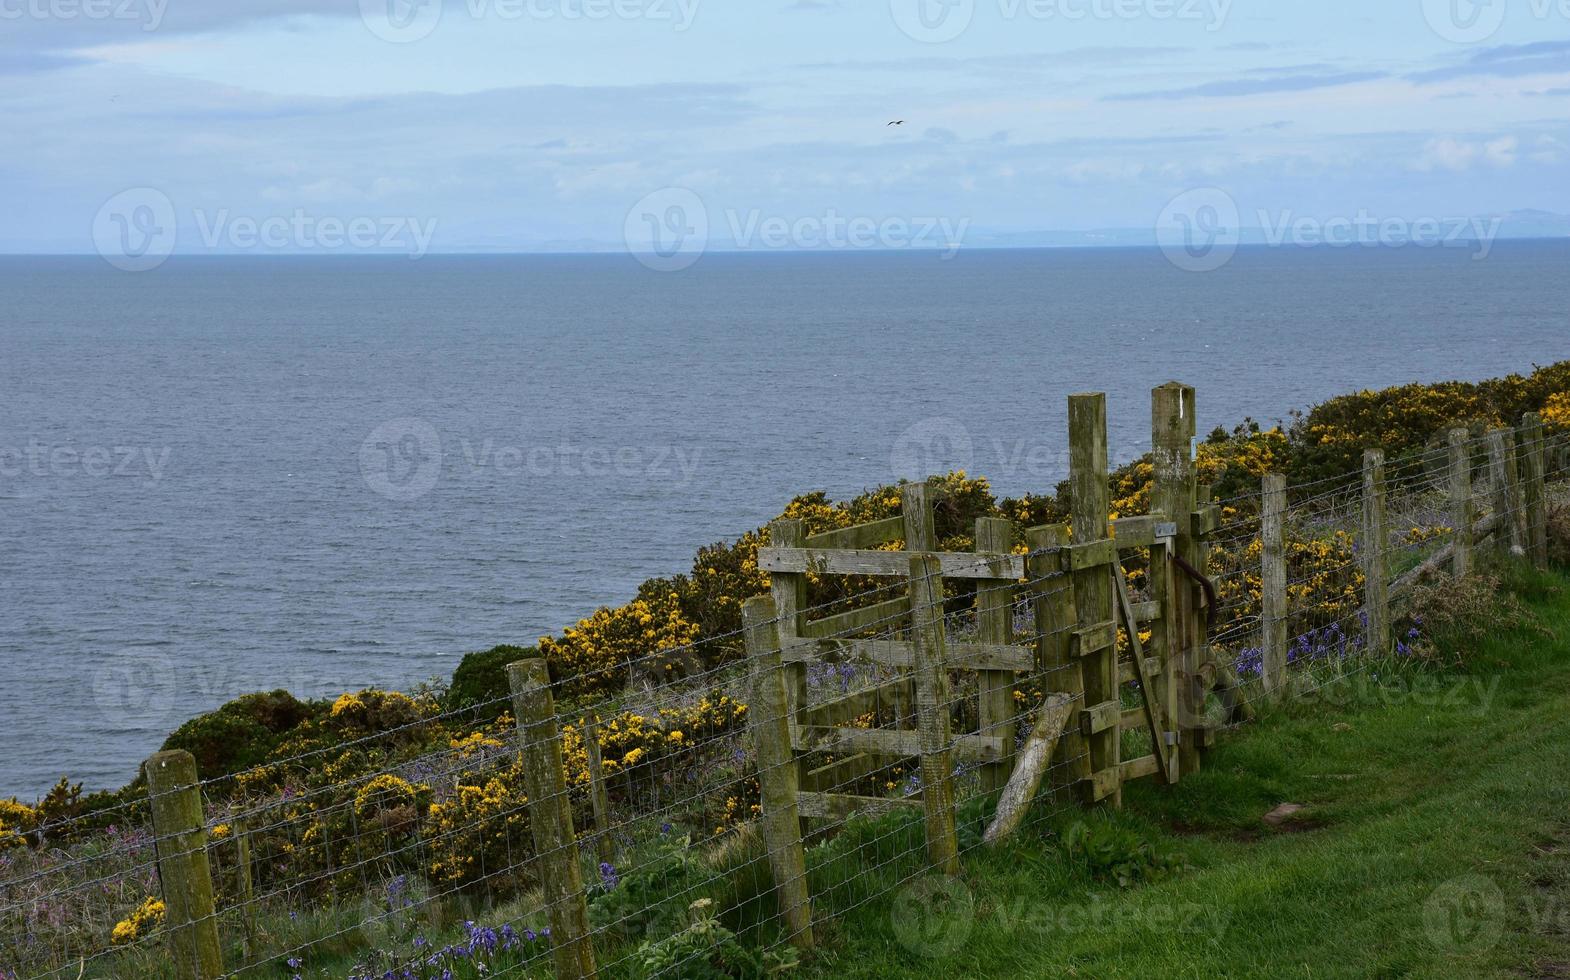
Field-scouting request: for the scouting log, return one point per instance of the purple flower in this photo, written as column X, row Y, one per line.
column 608, row 876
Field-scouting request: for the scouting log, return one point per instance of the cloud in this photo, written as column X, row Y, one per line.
column 1504, row 61
column 1459, row 156
column 1036, row 63
column 1239, row 87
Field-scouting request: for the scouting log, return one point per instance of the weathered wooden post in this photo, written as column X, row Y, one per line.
column 933, row 704
column 180, row 829
column 1533, row 492
column 789, row 590
column 1273, row 579
column 244, row 884
column 1174, row 494
column 1058, row 669
column 1091, row 559
column 599, row 799
column 550, row 818
column 1376, row 552
column 1505, row 479
column 1461, row 501
column 995, row 624
column 921, row 534
column 769, row 718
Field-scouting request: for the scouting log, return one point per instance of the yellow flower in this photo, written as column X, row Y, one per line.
column 145, row 919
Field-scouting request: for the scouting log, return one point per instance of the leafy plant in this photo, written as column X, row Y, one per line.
column 1116, row 854
column 706, row 950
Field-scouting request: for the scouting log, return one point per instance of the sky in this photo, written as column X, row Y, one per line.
column 562, row 124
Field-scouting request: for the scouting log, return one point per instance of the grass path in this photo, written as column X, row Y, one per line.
column 1435, row 843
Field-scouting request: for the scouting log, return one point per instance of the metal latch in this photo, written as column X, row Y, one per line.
column 1166, row 534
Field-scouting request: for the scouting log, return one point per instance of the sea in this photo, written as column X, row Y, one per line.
column 233, row 474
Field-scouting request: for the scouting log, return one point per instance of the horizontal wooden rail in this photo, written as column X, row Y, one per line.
column 897, row 743
column 882, row 615
column 857, row 703
column 839, row 807
column 859, row 536
column 902, row 653
column 887, row 564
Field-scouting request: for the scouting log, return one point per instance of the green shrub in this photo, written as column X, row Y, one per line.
column 241, row 734
column 480, row 682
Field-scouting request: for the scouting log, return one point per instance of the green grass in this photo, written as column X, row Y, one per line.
column 1435, row 843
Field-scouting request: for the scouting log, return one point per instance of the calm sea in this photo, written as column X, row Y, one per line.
column 234, row 474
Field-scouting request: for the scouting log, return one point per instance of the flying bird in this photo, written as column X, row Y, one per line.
column 897, row 122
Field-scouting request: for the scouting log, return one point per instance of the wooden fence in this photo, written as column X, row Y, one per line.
column 1090, row 638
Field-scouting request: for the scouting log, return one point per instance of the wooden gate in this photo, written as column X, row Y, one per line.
column 1081, row 623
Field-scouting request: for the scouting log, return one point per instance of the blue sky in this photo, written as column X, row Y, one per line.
column 543, row 123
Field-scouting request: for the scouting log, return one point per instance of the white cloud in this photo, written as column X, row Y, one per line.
column 1459, row 156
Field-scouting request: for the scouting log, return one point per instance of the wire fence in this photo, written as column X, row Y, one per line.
column 404, row 841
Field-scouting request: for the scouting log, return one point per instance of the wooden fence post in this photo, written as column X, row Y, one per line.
column 550, row 818
column 1091, row 557
column 789, row 590
column 1174, row 494
column 1461, row 501
column 1059, row 670
column 1273, row 579
column 180, row 828
column 1505, row 479
column 244, row 884
column 769, row 718
column 933, row 704
column 995, row 624
column 599, row 799
column 915, row 507
column 1376, row 552
column 1533, row 492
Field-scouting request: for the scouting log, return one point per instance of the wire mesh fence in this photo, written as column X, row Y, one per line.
column 401, row 839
